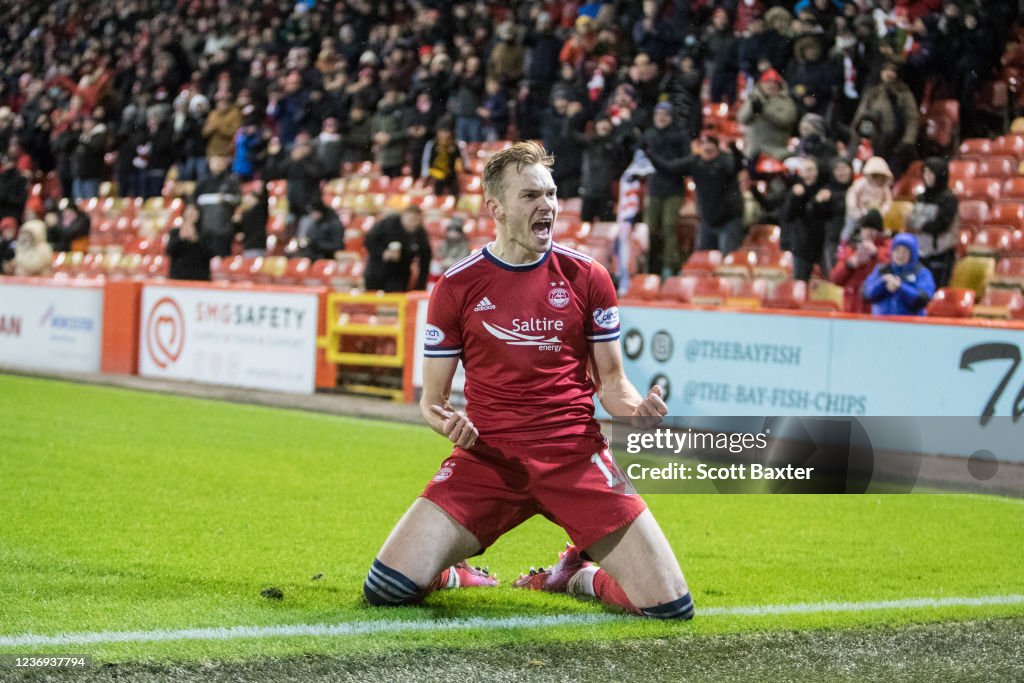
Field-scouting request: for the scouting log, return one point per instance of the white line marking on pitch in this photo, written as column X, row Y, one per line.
column 356, row 628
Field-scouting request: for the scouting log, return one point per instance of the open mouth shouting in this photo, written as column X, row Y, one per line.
column 543, row 228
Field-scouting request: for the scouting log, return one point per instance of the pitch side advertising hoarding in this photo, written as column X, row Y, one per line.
column 715, row 363
column 259, row 339
column 51, row 327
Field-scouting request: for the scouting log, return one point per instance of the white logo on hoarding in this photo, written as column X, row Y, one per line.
column 432, row 335
column 518, row 338
column 607, row 318
column 165, row 332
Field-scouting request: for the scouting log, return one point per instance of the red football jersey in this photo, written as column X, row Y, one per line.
column 523, row 334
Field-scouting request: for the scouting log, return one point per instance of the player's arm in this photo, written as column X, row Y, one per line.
column 617, row 394
column 439, row 414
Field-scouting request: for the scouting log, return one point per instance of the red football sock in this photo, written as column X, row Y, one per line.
column 609, row 591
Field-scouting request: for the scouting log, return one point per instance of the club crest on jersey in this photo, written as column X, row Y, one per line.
column 446, row 471
column 432, row 335
column 559, row 295
column 607, row 318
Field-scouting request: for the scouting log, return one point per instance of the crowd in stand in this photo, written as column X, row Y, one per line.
column 228, row 93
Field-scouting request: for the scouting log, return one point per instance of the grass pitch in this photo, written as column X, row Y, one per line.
column 127, row 511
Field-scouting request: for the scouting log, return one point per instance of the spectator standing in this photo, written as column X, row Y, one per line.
column 562, row 121
column 189, row 143
column 420, row 122
column 320, row 233
column 389, row 135
column 443, row 158
column 190, row 255
column 806, row 213
column 301, row 169
column 250, row 219
column 357, row 140
column 221, row 125
column 903, row 286
column 468, row 99
column 894, row 111
column 605, row 154
column 155, row 155
column 721, row 57
column 856, row 260
column 216, row 197
column 769, row 114
column 13, row 190
column 935, row 220
column 455, row 246
column 665, row 144
column 329, row 148
column 393, row 244
column 839, row 185
column 8, row 240
column 88, row 164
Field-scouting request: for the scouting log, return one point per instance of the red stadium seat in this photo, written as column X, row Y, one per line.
column 711, row 291
column 991, row 241
column 1009, row 273
column 321, row 272
column 1006, row 213
column 1013, row 190
column 643, row 288
column 1016, row 243
column 678, row 288
column 984, row 189
column 776, row 268
column 702, row 263
column 1000, row 304
column 998, row 166
column 960, row 169
column 789, row 294
column 977, row 147
column 764, row 237
column 747, row 294
column 738, row 264
column 951, row 302
column 296, row 271
column 1012, row 145
column 973, row 211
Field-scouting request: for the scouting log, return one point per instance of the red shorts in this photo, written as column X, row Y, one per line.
column 575, row 482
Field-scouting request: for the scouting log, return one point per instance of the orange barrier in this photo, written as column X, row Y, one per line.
column 121, row 302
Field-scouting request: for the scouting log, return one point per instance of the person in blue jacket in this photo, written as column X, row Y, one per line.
column 903, row 286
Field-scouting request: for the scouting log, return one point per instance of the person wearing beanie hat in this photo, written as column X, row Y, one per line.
column 814, row 141
column 903, row 286
column 665, row 145
column 769, row 115
column 855, row 261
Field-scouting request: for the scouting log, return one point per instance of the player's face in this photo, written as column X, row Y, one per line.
column 528, row 208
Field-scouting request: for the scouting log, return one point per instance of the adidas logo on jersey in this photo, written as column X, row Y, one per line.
column 484, row 305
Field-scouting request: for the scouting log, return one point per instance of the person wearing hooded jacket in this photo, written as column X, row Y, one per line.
column 33, row 255
column 903, row 286
column 769, row 115
column 935, row 219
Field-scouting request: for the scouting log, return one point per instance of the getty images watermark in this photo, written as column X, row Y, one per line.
column 821, row 455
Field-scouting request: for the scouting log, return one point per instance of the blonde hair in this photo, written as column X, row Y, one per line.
column 520, row 154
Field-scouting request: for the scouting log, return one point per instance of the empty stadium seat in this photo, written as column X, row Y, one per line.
column 788, row 294
column 1013, row 190
column 320, row 273
column 977, row 147
column 951, row 302
column 984, row 189
column 1011, row 144
column 763, row 234
column 738, row 264
column 973, row 272
column 973, row 211
column 1000, row 304
column 643, row 288
column 998, row 166
column 991, row 241
column 678, row 288
column 1009, row 273
column 960, row 169
column 702, row 262
column 1006, row 213
column 747, row 294
column 824, row 296
column 779, row 267
column 710, row 291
